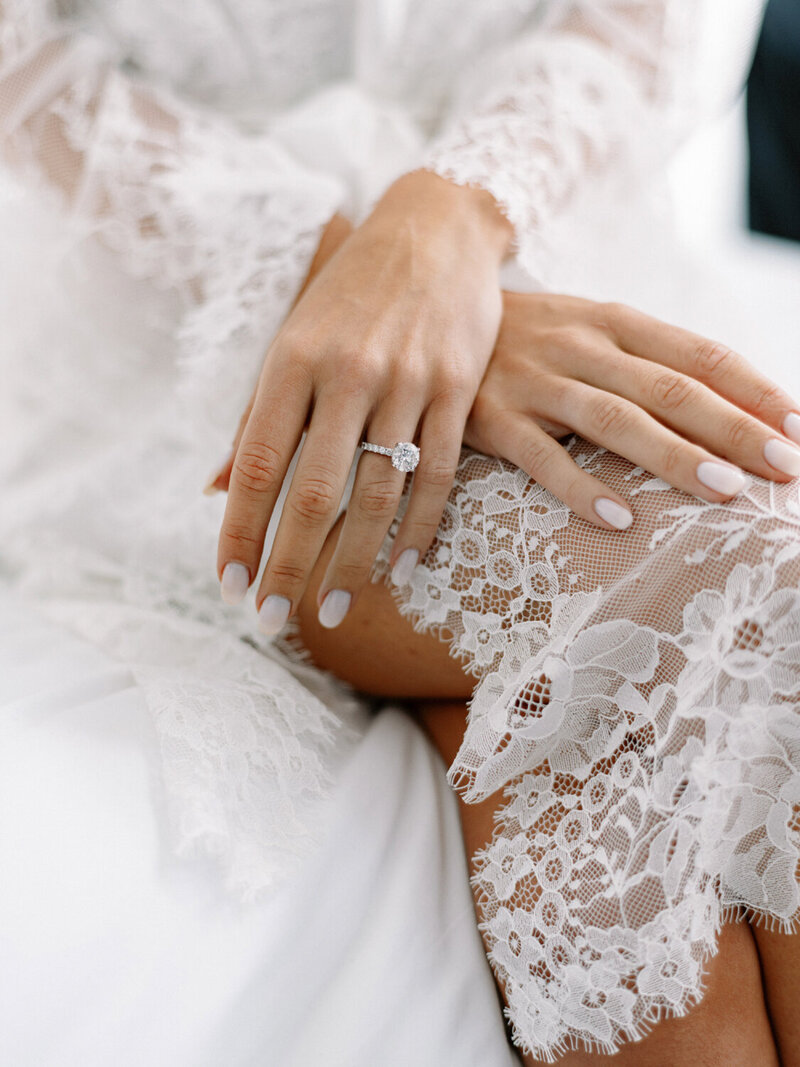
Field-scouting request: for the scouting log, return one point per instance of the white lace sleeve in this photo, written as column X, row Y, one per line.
column 589, row 99
column 225, row 220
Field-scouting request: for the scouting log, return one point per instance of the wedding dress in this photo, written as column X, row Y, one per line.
column 174, row 166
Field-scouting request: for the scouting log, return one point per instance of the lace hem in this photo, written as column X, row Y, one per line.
column 636, row 701
column 250, row 744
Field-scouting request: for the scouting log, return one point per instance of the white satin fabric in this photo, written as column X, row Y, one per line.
column 115, row 951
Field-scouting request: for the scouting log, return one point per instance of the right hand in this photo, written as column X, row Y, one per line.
column 683, row 407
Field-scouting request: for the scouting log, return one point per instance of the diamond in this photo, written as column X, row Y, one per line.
column 405, row 456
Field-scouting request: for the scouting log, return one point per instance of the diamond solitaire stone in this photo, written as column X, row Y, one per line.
column 405, row 456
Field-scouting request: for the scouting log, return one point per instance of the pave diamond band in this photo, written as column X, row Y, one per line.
column 404, row 455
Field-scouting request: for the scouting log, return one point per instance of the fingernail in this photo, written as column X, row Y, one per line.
column 782, row 457
column 613, row 513
column 210, row 488
column 273, row 613
column 334, row 608
column 235, row 583
column 791, row 426
column 406, row 562
column 721, row 478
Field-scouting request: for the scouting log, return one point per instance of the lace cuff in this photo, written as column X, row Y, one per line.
column 578, row 114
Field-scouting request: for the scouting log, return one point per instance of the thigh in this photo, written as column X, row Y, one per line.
column 730, row 1025
column 780, row 964
column 376, row 649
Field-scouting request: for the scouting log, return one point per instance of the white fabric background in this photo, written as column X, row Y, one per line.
column 116, row 952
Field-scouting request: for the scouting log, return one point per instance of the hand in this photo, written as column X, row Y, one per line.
column 666, row 399
column 389, row 341
column 337, row 230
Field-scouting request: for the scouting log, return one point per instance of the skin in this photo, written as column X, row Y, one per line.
column 661, row 396
column 402, row 333
column 392, row 336
column 748, row 1014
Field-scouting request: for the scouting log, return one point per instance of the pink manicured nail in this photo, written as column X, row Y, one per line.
column 235, row 583
column 791, row 426
column 403, row 568
column 273, row 613
column 782, row 457
column 722, row 479
column 613, row 513
column 334, row 608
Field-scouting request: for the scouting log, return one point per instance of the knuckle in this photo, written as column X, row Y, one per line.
column 452, row 387
column 349, row 574
column 537, row 456
column 353, row 384
column 284, row 574
column 438, row 474
column 313, row 501
column 610, row 416
column 711, row 357
column 258, row 466
column 292, row 355
column 242, row 537
column 610, row 318
column 378, row 500
column 670, row 391
column 485, row 407
column 571, row 490
column 739, row 431
column 356, row 364
column 672, row 458
column 614, row 311
column 569, row 338
column 552, row 392
column 416, row 376
column 769, row 397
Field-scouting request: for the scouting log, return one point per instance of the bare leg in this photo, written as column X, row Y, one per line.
column 780, row 964
column 377, row 650
column 730, row 1025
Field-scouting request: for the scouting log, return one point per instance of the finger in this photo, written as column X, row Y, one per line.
column 624, row 428
column 686, row 405
column 311, row 506
column 519, row 439
column 440, row 447
column 271, row 436
column 373, row 504
column 713, row 364
column 220, row 479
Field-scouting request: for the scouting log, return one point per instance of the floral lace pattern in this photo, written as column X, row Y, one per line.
column 635, row 694
column 637, row 702
column 249, row 749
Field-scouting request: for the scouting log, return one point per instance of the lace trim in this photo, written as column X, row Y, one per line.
column 636, row 702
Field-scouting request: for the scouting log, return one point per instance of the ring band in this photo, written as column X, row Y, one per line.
column 404, row 455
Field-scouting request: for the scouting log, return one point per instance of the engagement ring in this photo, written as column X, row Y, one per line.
column 404, row 455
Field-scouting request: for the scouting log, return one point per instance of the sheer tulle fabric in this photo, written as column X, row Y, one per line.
column 635, row 694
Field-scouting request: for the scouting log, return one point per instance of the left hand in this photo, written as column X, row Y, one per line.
column 389, row 340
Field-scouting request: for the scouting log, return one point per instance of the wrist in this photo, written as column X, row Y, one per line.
column 466, row 215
